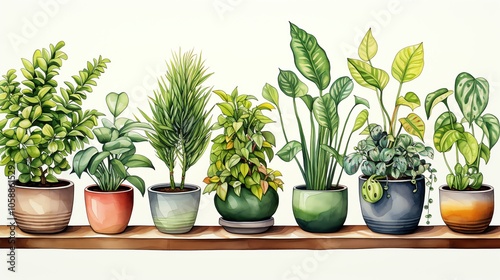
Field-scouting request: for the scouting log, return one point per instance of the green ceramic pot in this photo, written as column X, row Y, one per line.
column 319, row 211
column 247, row 207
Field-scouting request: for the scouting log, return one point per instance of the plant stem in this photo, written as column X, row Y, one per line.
column 286, row 139
column 305, row 153
column 396, row 109
column 447, row 164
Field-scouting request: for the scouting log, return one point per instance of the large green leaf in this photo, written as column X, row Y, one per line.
column 410, row 99
column 408, row 63
column 485, row 153
column 270, row 94
column 289, row 151
column 440, row 132
column 491, row 128
column 368, row 47
column 435, row 98
column 137, row 161
column 446, row 118
column 117, row 102
column 103, row 134
column 414, row 125
column 81, row 160
column 119, row 146
column 352, row 162
column 366, row 75
column 325, row 112
column 341, row 89
column 96, row 160
column 119, row 168
column 290, row 84
column 448, row 139
column 310, row 59
column 471, row 95
column 469, row 147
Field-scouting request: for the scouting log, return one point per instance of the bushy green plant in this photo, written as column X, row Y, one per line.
column 472, row 144
column 109, row 167
column 387, row 152
column 323, row 152
column 43, row 125
column 181, row 123
column 239, row 155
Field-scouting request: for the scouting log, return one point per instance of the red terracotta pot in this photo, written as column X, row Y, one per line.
column 109, row 212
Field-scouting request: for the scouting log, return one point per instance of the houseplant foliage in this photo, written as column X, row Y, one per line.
column 469, row 138
column 109, row 167
column 387, row 152
column 240, row 154
column 181, row 133
column 181, row 124
column 43, row 125
column 466, row 203
column 320, row 154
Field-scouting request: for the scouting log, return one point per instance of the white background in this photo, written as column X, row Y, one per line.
column 245, row 43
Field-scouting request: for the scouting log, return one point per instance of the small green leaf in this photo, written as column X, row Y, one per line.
column 352, row 163
column 408, row 63
column 48, row 131
column 289, row 151
column 368, row 47
column 244, row 169
column 223, row 95
column 291, row 85
column 82, row 159
column 257, row 191
column 258, row 139
column 233, row 161
column 435, row 98
column 325, row 112
column 103, row 134
column 414, row 125
column 361, row 101
column 270, row 94
column 485, row 153
column 341, row 89
column 226, row 109
column 471, row 95
column 96, row 160
column 138, row 161
column 137, row 182
column 117, row 102
column 222, row 191
column 366, row 75
column 360, row 120
column 410, row 99
column 491, row 128
column 119, row 168
column 309, row 101
column 51, row 178
column 469, row 147
column 33, row 151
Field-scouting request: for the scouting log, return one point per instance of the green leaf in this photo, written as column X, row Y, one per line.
column 446, row 118
column 270, row 94
column 491, row 128
column 291, row 85
column 257, row 191
column 309, row 101
column 51, row 178
column 226, row 109
column 103, row 134
column 233, row 161
column 223, row 95
column 361, row 101
column 408, row 63
column 325, row 112
column 334, row 153
column 469, row 147
column 366, row 75
column 485, row 153
column 368, row 47
column 289, row 151
column 258, row 139
column 117, row 102
column 48, row 131
column 352, row 163
column 244, row 169
column 471, row 95
column 414, row 125
column 410, row 99
column 96, row 160
column 137, row 182
column 23, row 167
column 439, row 133
column 360, row 120
column 119, row 168
column 435, row 98
column 237, row 188
column 269, row 137
column 82, row 159
column 341, row 89
column 310, row 59
column 448, row 139
column 138, row 161
column 33, row 151
column 119, row 146
column 222, row 191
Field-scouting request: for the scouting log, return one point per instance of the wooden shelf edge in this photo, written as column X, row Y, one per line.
column 277, row 238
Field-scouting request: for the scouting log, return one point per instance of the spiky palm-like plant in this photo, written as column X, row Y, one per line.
column 181, row 123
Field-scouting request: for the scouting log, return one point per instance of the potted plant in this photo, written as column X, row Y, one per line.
column 320, row 204
column 41, row 127
column 246, row 188
column 181, row 133
column 392, row 187
column 109, row 202
column 466, row 203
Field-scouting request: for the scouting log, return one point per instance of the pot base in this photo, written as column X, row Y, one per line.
column 251, row 227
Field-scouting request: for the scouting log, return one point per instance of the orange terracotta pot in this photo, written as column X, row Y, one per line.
column 467, row 211
column 109, row 212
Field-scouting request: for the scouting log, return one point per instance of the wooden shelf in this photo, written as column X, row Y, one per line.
column 277, row 238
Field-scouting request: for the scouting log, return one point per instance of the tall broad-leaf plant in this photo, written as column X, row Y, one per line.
column 320, row 154
column 469, row 138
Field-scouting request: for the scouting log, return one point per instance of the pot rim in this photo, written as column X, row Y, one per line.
column 193, row 188
column 302, row 188
column 419, row 177
column 68, row 185
column 490, row 189
column 129, row 189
